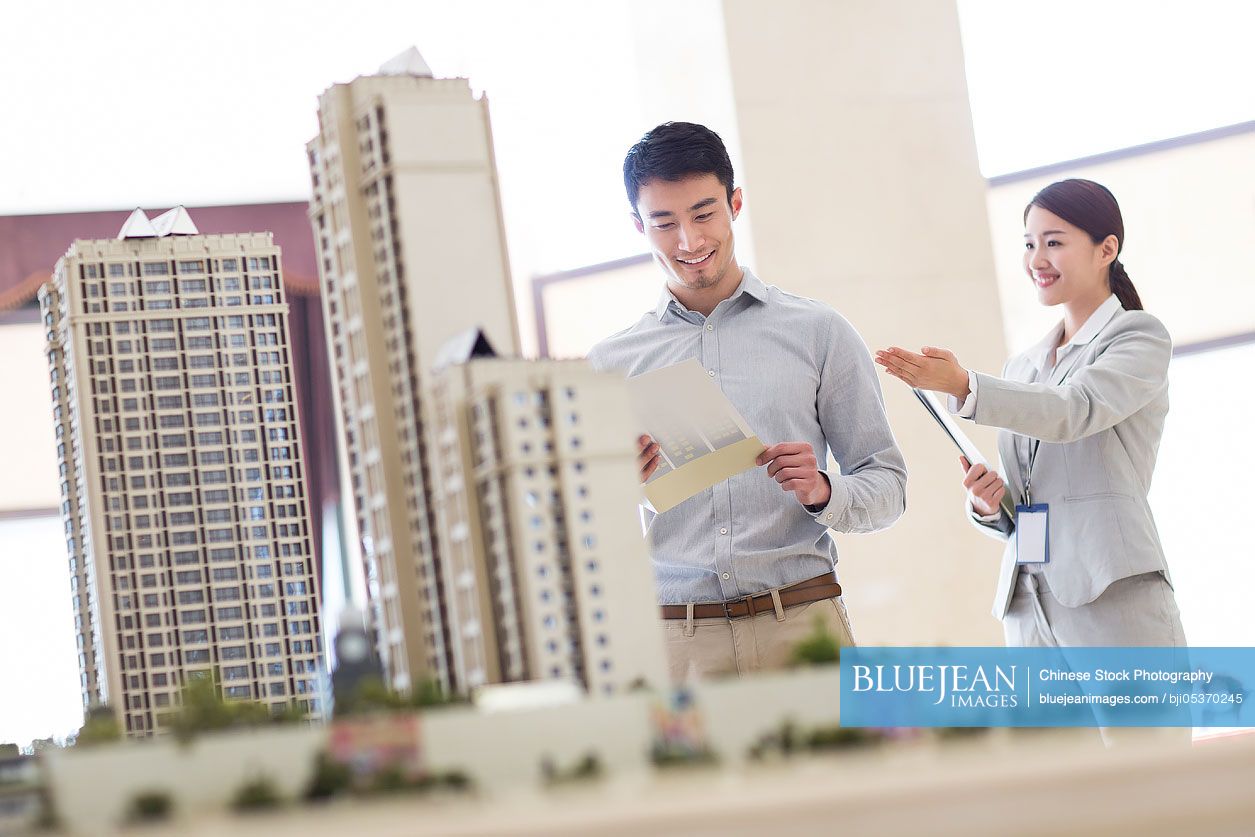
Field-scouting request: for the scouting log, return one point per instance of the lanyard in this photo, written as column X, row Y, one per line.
column 1036, row 443
column 1028, row 477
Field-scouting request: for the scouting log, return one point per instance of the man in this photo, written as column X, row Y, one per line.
column 745, row 569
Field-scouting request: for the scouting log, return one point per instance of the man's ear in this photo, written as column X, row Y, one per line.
column 737, row 200
column 640, row 225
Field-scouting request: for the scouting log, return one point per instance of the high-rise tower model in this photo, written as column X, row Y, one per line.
column 407, row 221
column 182, row 478
column 535, row 492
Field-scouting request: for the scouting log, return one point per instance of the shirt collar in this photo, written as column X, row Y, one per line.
column 1086, row 333
column 1097, row 320
column 750, row 284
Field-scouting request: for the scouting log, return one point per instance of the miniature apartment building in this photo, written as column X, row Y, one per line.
column 182, row 480
column 536, row 492
column 407, row 223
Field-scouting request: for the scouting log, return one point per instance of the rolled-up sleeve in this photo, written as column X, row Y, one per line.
column 869, row 484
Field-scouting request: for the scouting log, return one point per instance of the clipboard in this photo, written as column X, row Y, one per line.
column 942, row 416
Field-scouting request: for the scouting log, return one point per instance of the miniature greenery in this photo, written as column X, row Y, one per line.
column 371, row 695
column 820, row 647
column 150, row 806
column 100, row 726
column 204, row 709
column 789, row 739
column 588, row 767
column 946, row 733
column 257, row 794
column 330, row 778
column 392, row 779
column 664, row 755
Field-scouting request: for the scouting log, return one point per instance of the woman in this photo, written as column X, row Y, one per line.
column 1081, row 414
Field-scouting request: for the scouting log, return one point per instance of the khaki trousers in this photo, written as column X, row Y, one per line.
column 762, row 642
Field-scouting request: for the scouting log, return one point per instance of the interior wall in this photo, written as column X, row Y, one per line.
column 1189, row 222
column 860, row 162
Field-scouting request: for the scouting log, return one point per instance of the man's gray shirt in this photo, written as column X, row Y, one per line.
column 798, row 372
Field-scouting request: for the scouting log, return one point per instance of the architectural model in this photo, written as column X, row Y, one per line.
column 407, row 222
column 181, row 471
column 535, row 492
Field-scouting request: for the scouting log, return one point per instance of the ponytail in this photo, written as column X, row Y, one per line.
column 1122, row 287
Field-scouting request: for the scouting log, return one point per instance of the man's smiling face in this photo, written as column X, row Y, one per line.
column 688, row 224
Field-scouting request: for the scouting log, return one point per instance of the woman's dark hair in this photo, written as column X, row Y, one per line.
column 674, row 151
column 1092, row 207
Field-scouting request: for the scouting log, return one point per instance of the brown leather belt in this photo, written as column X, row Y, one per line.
column 804, row 592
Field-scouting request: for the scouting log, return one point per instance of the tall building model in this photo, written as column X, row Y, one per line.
column 407, row 222
column 535, row 491
column 495, row 498
column 181, row 471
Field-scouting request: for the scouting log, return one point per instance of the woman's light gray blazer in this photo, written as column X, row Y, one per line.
column 1099, row 418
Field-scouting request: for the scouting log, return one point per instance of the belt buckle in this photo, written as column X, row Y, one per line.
column 749, row 606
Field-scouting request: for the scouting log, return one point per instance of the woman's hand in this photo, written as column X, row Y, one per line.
column 935, row 369
column 984, row 487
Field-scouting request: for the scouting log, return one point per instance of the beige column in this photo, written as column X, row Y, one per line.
column 858, row 158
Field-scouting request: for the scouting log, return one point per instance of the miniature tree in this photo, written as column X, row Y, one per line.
column 100, row 726
column 368, row 695
column 836, row 737
column 454, row 780
column 371, row 695
column 588, row 767
column 429, row 694
column 257, row 794
column 789, row 739
column 330, row 778
column 203, row 709
column 389, row 780
column 150, row 806
column 820, row 647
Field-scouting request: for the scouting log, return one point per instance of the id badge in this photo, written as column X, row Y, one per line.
column 1032, row 538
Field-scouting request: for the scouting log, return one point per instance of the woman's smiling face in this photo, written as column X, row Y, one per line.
column 1064, row 264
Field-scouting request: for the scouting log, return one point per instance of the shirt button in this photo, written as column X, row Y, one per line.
column 830, row 515
column 711, row 373
column 710, row 327
column 726, row 576
column 723, row 531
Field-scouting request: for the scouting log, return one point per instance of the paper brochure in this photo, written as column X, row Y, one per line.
column 703, row 440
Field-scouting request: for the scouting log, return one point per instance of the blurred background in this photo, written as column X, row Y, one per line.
column 886, row 149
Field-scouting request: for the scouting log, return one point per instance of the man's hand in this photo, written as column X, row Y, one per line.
column 984, row 487
column 793, row 465
column 936, row 369
column 647, row 457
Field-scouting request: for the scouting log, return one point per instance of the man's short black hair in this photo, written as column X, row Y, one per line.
column 674, row 151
